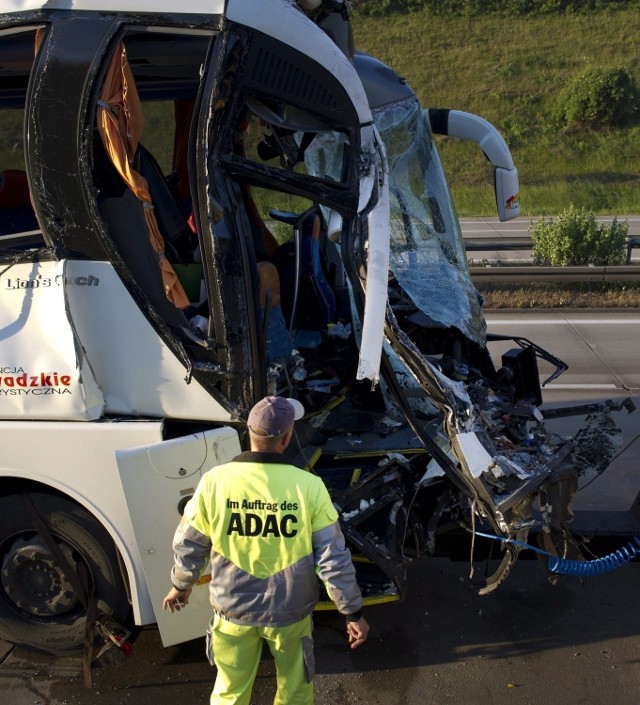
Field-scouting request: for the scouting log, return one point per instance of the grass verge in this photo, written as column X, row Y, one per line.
column 547, row 295
column 512, row 71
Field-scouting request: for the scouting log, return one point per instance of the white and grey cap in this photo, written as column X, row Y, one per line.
column 273, row 416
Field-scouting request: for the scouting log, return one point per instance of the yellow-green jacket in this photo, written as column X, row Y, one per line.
column 270, row 531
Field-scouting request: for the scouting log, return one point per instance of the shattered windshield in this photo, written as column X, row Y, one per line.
column 428, row 257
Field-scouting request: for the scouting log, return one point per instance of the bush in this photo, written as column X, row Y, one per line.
column 599, row 98
column 576, row 238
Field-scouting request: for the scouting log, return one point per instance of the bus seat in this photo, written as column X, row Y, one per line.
column 278, row 342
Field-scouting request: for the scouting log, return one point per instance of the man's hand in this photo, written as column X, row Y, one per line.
column 176, row 600
column 357, row 632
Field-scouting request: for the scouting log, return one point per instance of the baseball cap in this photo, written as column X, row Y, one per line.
column 273, row 416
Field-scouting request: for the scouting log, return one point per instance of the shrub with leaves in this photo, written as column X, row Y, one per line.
column 599, row 98
column 577, row 238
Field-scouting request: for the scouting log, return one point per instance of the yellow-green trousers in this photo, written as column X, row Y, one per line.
column 236, row 653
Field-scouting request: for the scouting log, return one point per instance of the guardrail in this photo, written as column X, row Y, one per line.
column 527, row 274
column 524, row 243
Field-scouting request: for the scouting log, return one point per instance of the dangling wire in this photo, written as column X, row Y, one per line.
column 583, row 569
column 474, row 533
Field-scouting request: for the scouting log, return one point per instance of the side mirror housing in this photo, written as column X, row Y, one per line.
column 507, row 190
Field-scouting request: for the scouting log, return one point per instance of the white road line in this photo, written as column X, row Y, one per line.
column 581, row 386
column 562, row 321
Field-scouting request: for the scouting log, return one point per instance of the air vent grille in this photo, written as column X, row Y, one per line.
column 280, row 76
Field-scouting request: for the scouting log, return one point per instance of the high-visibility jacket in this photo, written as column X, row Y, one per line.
column 270, row 531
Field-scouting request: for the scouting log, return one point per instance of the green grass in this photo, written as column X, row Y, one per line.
column 11, row 154
column 511, row 72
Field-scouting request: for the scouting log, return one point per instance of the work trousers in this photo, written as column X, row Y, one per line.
column 236, row 654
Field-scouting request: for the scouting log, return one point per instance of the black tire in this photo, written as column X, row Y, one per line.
column 39, row 609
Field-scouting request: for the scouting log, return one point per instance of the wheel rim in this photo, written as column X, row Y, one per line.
column 33, row 581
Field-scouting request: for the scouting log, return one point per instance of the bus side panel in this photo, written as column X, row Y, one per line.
column 78, row 459
column 157, row 481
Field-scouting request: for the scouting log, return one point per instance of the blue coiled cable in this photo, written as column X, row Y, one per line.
column 582, row 569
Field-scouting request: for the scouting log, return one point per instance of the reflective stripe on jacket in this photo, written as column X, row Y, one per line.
column 266, row 526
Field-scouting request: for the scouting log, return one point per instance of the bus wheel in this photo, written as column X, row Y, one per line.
column 39, row 607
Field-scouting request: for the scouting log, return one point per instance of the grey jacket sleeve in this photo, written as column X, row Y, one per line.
column 335, row 568
column 191, row 550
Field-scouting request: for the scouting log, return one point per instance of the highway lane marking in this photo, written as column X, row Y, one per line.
column 562, row 321
column 581, row 386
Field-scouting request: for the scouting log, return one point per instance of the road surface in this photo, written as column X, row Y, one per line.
column 481, row 227
column 531, row 643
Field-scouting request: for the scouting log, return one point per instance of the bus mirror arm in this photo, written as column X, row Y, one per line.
column 467, row 126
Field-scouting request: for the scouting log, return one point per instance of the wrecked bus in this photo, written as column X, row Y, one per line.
column 201, row 206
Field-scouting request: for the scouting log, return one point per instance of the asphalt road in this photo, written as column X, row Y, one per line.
column 490, row 227
column 529, row 643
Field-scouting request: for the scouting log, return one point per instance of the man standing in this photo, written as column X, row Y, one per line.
column 270, row 531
